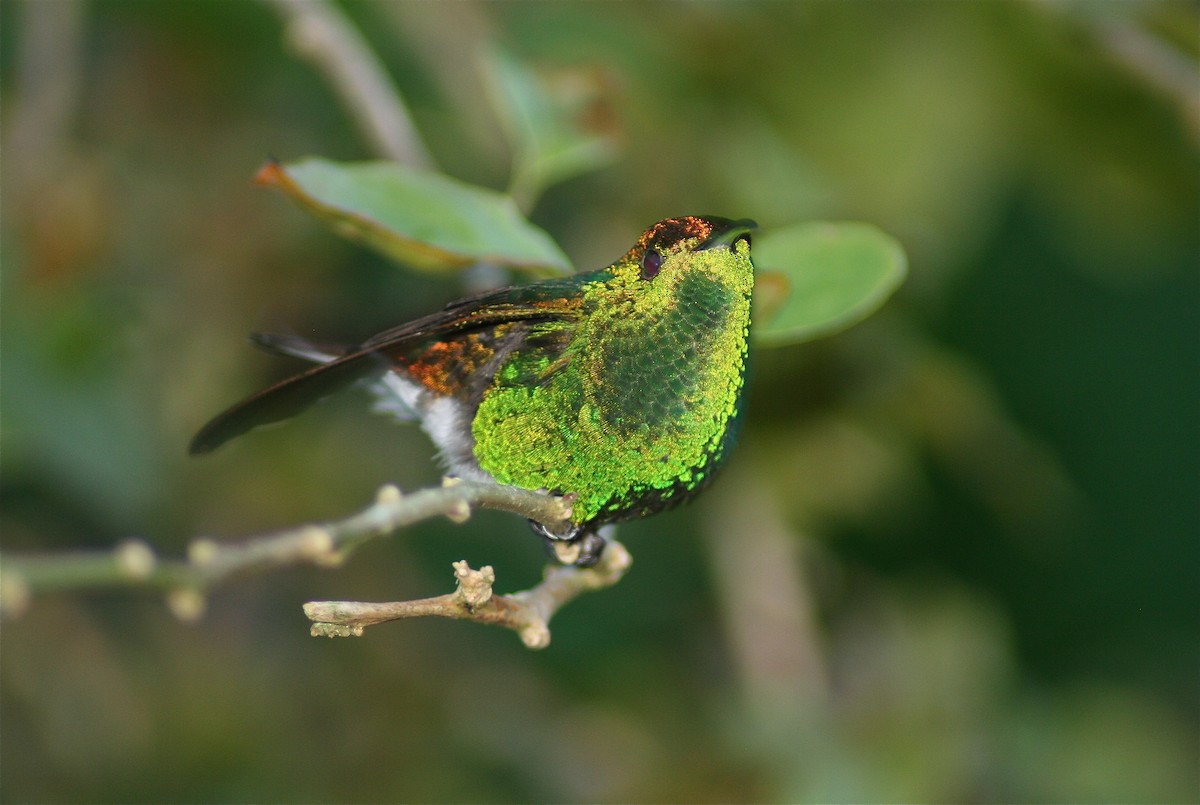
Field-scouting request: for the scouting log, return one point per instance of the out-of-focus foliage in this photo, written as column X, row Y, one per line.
column 424, row 220
column 953, row 559
column 558, row 125
column 831, row 275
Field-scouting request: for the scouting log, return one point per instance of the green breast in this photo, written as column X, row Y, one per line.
column 636, row 413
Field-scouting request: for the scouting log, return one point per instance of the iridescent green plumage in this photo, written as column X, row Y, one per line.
column 638, row 411
column 622, row 386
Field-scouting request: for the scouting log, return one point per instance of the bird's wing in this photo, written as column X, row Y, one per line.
column 440, row 351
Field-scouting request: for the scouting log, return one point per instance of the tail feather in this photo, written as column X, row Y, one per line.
column 288, row 397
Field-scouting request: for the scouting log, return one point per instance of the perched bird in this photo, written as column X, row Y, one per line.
column 622, row 385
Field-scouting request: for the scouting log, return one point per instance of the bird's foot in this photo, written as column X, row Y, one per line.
column 578, row 547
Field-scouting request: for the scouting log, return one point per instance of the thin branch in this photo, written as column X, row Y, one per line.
column 133, row 563
column 48, row 78
column 1156, row 63
column 528, row 613
column 319, row 32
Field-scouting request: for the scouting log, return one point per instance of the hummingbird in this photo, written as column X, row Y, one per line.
column 622, row 386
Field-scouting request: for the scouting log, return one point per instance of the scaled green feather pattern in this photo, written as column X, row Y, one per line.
column 644, row 403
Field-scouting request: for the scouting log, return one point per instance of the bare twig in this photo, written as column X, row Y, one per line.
column 133, row 563
column 321, row 33
column 527, row 613
column 1156, row 63
column 768, row 609
column 48, row 76
column 1147, row 57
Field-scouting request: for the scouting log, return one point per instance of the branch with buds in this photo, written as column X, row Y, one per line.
column 134, row 564
column 528, row 613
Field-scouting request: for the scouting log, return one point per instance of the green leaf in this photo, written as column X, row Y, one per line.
column 834, row 275
column 558, row 123
column 424, row 220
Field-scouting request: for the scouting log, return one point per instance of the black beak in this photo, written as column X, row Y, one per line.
column 725, row 232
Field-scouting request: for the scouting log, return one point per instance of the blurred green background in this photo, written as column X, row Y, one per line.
column 954, row 559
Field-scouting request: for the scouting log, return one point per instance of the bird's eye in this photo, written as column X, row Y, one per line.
column 651, row 263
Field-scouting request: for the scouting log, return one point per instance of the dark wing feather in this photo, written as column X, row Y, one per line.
column 545, row 301
column 293, row 346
